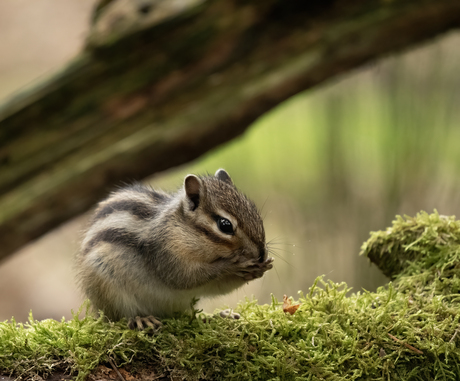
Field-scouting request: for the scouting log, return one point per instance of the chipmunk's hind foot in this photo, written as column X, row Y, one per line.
column 141, row 323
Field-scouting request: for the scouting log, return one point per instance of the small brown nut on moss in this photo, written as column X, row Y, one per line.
column 288, row 307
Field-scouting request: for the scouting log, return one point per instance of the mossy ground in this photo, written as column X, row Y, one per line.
column 407, row 330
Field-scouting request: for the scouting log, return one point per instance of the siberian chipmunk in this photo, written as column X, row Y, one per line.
column 147, row 253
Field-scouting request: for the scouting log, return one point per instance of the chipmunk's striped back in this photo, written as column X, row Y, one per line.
column 126, row 213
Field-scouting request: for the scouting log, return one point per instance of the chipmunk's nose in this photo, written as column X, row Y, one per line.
column 262, row 254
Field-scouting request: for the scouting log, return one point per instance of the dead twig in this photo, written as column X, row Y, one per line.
column 453, row 337
column 116, row 369
column 406, row 345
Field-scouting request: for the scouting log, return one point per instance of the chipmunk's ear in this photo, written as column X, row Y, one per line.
column 223, row 175
column 192, row 186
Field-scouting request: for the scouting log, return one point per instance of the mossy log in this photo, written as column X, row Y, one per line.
column 407, row 330
column 161, row 82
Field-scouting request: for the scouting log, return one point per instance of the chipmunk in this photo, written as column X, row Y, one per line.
column 147, row 253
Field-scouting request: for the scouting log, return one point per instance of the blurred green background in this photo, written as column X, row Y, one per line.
column 325, row 168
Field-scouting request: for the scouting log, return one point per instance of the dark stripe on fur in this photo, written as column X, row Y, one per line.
column 213, row 237
column 123, row 237
column 160, row 262
column 136, row 208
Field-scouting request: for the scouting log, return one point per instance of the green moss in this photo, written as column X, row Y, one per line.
column 421, row 254
column 406, row 330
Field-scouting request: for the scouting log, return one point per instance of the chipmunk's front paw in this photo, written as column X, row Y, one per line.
column 141, row 323
column 254, row 269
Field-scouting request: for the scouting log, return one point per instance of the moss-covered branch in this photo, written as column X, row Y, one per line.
column 418, row 253
column 161, row 82
column 407, row 330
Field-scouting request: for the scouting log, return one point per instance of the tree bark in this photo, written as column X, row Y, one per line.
column 161, row 82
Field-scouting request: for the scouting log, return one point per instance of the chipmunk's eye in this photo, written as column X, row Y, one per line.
column 224, row 225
